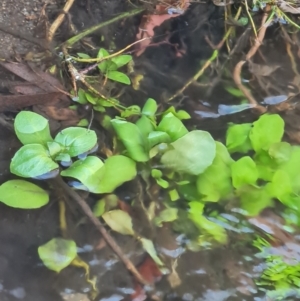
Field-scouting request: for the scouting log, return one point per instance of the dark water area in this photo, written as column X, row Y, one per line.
column 218, row 273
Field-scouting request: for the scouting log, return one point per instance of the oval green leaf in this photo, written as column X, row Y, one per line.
column 132, row 138
column 243, row 172
column 32, row 128
column 150, row 107
column 192, row 153
column 76, row 140
column 58, row 253
column 22, row 194
column 119, row 221
column 172, row 126
column 118, row 76
column 31, row 161
column 87, row 172
column 122, row 60
column 118, row 170
column 237, row 138
column 268, row 129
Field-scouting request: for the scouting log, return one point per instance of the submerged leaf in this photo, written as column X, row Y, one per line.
column 191, row 154
column 22, row 194
column 150, row 249
column 32, row 128
column 214, row 230
column 119, row 221
column 254, row 199
column 58, row 253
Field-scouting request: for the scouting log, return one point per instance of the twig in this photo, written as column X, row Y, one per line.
column 249, row 55
column 110, row 241
column 59, row 20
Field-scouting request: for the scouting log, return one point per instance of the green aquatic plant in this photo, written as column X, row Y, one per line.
column 281, row 273
column 42, row 157
column 190, row 165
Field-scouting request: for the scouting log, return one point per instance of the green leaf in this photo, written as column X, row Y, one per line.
column 91, row 98
column 235, row 92
column 280, row 185
column 76, row 140
column 87, row 172
column 119, row 221
column 31, row 161
column 145, row 125
column 103, row 66
column 150, row 108
column 280, row 152
column 192, row 153
column 122, row 60
column 22, row 194
column 214, row 230
column 181, row 114
column 265, row 165
column 107, row 203
column 83, row 55
column 166, row 216
column 172, row 126
column 268, row 129
column 292, row 167
column 237, row 138
column 254, row 199
column 118, row 170
column 81, row 97
column 131, row 111
column 132, row 138
column 156, row 137
column 54, row 148
column 215, row 183
column 58, row 253
column 32, row 128
column 118, row 76
column 150, row 249
column 243, row 21
column 102, row 53
column 243, row 172
column 157, row 175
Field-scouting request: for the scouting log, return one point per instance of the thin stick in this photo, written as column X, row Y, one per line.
column 110, row 241
column 238, row 68
column 59, row 20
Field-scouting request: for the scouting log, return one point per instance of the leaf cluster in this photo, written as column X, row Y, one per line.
column 42, row 157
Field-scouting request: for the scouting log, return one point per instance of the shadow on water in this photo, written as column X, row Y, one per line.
column 223, row 273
